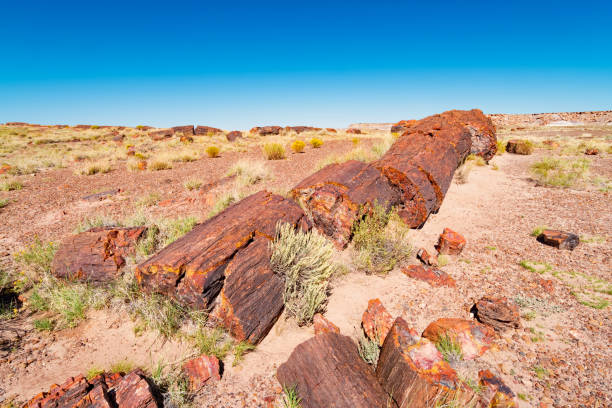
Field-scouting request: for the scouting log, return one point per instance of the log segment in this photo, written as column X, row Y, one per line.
column 327, row 371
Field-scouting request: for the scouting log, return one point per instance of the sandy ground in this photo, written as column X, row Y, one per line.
column 495, row 211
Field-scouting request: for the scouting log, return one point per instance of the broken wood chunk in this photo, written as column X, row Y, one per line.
column 559, row 239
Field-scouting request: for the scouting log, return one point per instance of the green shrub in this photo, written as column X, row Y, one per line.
column 304, row 261
column 274, row 151
column 212, row 151
column 192, row 184
column 93, row 372
column 369, row 350
column 291, row 398
column 248, row 172
column 37, row 257
column 43, row 324
column 11, row 185
column 565, row 173
column 316, row 142
column 4, row 202
column 213, row 342
column 122, row 367
column 381, row 241
column 298, row 146
column 173, row 386
column 240, row 349
column 450, row 348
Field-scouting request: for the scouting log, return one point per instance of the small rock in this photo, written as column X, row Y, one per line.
column 200, row 370
column 450, row 242
column 423, row 256
column 376, row 321
column 495, row 393
column 475, row 338
column 322, row 325
column 233, row 135
column 431, row 275
column 523, row 147
column 497, row 312
column 591, row 152
column 559, row 239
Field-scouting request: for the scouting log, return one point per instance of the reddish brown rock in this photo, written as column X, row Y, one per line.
column 142, row 165
column 102, row 195
column 161, row 134
column 450, row 242
column 97, row 255
column 322, row 325
column 515, row 146
column 401, row 126
column 192, row 269
column 327, row 371
column 233, row 135
column 186, row 139
column 82, row 127
column 547, row 284
column 475, row 338
column 497, row 312
column 134, row 391
column 559, row 239
column 201, row 370
column 186, row 130
column 299, row 129
column 353, row 131
column 118, row 138
column 5, row 168
column 331, row 130
column 494, row 392
column 376, row 321
column 551, row 143
column 591, row 152
column 429, row 274
column 131, row 151
column 412, row 371
column 425, row 258
column 266, row 130
column 207, row 131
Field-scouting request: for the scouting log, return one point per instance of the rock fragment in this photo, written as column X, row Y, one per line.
column 497, row 312
column 201, row 370
column 450, row 242
column 429, row 274
column 376, row 321
column 559, row 239
column 322, row 325
column 474, row 338
column 495, row 393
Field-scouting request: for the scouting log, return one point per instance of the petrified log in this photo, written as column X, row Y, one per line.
column 252, row 296
column 328, row 372
column 299, row 129
column 497, row 312
column 192, row 268
column 401, row 126
column 474, row 338
column 591, row 151
column 559, row 239
column 96, row 255
column 186, row 130
column 331, row 130
column 429, row 274
column 233, row 135
column 161, row 134
column 412, row 371
column 206, row 130
column 266, row 130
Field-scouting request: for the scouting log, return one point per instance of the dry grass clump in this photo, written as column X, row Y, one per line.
column 381, row 241
column 192, row 184
column 94, row 168
column 226, row 199
column 149, row 200
column 359, row 154
column 557, row 172
column 316, row 142
column 478, row 160
column 249, row 172
column 356, row 141
column 158, row 165
column 304, row 261
column 524, row 147
column 212, row 151
column 298, row 146
column 11, row 185
column 501, row 147
column 274, row 151
column 4, row 202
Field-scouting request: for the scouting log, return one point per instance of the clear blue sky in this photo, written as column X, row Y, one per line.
column 235, row 64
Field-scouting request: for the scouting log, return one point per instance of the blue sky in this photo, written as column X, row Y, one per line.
column 239, row 64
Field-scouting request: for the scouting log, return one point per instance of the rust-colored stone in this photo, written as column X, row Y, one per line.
column 186, row 139
column 134, row 391
column 192, row 269
column 403, row 125
column 299, row 129
column 207, row 131
column 559, row 239
column 328, row 372
column 233, row 135
column 591, row 151
column 266, row 130
column 142, row 165
column 475, row 338
column 519, row 147
column 322, row 325
column 96, row 255
column 450, row 242
column 497, row 312
column 424, row 256
column 494, row 392
column 161, row 134
column 429, row 274
column 331, row 130
column 353, row 131
column 376, row 321
column 5, row 168
column 186, row 130
column 412, row 371
column 202, row 370
column 131, row 151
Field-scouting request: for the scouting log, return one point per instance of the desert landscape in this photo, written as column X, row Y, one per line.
column 457, row 260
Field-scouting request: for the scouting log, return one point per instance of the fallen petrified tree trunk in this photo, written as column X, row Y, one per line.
column 327, row 371
column 232, row 245
column 413, row 176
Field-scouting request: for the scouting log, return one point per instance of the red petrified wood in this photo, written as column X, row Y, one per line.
column 186, row 130
column 494, row 392
column 429, row 274
column 474, row 338
column 201, row 370
column 233, row 135
column 327, row 371
column 96, row 255
column 266, row 130
column 450, row 242
column 559, row 239
column 206, row 130
column 423, row 256
column 497, row 312
column 412, row 371
column 322, row 325
column 376, row 321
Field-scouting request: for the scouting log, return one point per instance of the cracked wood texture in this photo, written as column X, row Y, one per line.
column 192, row 269
column 413, row 176
column 328, row 372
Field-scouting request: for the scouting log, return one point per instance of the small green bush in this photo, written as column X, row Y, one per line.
column 4, row 202
column 304, row 261
column 192, row 184
column 212, row 151
column 381, row 241
column 291, row 398
column 122, row 367
column 274, row 151
column 316, row 142
column 369, row 350
column 43, row 324
column 556, row 172
column 11, row 186
column 213, row 342
column 450, row 348
column 240, row 349
column 298, row 146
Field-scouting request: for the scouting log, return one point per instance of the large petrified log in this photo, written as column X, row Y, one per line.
column 413, row 176
column 328, row 372
column 103, row 391
column 192, row 269
column 96, row 255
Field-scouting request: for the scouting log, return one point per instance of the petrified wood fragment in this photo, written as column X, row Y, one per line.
column 401, row 126
column 523, row 147
column 233, row 135
column 429, row 274
column 328, row 372
column 412, row 371
column 96, row 255
column 186, row 130
column 266, row 130
column 494, row 392
column 322, row 325
column 376, row 321
column 497, row 312
column 424, row 256
column 450, row 242
column 192, row 268
column 474, row 338
column 299, row 129
column 559, row 239
column 206, row 130
column 201, row 370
